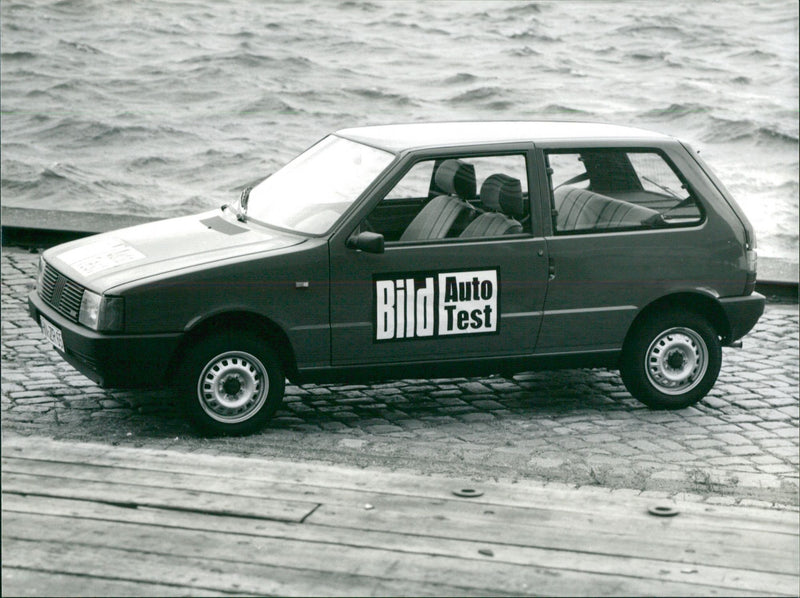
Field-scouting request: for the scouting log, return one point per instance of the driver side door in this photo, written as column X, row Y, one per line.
column 447, row 298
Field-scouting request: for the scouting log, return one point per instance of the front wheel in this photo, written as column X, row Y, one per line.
column 231, row 383
column 671, row 360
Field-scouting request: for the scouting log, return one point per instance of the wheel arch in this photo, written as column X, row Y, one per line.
column 242, row 320
column 698, row 303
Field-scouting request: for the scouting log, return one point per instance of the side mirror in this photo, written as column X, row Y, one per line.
column 366, row 241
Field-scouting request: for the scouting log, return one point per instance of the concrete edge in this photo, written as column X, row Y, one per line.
column 40, row 229
column 35, row 228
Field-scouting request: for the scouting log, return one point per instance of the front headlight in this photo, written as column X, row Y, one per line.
column 102, row 313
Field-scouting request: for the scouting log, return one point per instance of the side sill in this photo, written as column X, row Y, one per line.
column 506, row 366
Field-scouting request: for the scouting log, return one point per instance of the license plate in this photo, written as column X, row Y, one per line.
column 53, row 334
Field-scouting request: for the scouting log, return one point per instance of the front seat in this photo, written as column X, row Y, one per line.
column 502, row 196
column 434, row 221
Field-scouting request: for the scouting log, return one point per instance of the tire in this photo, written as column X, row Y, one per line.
column 671, row 360
column 232, row 383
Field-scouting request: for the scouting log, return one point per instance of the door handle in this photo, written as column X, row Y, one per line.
column 551, row 270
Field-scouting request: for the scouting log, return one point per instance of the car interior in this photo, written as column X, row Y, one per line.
column 453, row 208
column 611, row 193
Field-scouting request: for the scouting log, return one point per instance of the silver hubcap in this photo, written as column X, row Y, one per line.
column 233, row 387
column 676, row 361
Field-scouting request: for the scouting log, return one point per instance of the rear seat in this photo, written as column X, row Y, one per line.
column 581, row 209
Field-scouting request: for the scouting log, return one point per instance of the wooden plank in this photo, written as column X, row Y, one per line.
column 26, row 582
column 226, row 575
column 159, row 497
column 324, row 475
column 776, row 553
column 677, row 538
column 598, row 520
column 321, row 476
column 654, row 569
column 44, row 534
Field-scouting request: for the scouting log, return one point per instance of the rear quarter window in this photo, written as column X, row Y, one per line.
column 616, row 189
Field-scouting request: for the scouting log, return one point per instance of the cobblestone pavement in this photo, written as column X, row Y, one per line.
column 577, row 427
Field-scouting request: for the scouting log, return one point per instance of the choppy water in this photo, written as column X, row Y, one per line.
column 169, row 107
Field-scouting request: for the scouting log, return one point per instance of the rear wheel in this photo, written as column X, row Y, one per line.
column 232, row 383
column 671, row 360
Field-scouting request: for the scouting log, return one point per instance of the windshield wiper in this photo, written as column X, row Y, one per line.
column 241, row 214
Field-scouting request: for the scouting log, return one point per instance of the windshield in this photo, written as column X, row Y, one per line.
column 311, row 192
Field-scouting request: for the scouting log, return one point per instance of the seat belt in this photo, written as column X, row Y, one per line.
column 576, row 179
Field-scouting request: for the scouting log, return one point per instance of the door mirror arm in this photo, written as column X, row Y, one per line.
column 366, row 241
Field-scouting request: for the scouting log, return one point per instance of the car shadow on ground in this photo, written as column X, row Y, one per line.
column 385, row 408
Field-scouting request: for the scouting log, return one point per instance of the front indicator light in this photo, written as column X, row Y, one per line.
column 40, row 274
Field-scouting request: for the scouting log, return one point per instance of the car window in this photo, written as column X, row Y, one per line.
column 465, row 197
column 614, row 189
column 415, row 184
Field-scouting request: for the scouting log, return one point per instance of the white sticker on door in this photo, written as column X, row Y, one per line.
column 419, row 305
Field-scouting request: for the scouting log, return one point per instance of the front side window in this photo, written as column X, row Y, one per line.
column 597, row 190
column 464, row 197
column 311, row 192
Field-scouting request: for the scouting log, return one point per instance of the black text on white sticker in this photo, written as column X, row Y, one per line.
column 436, row 304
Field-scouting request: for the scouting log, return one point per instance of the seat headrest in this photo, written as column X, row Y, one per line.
column 455, row 177
column 503, row 193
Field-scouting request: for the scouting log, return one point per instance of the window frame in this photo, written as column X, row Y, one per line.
column 409, row 159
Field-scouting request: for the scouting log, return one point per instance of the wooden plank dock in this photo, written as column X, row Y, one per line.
column 92, row 519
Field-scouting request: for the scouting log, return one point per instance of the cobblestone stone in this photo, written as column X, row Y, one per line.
column 577, row 427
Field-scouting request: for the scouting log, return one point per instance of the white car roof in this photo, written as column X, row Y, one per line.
column 398, row 137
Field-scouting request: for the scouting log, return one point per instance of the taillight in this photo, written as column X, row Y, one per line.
column 752, row 262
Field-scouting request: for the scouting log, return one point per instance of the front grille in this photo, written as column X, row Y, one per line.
column 60, row 293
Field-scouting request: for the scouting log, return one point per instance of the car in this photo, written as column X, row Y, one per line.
column 420, row 250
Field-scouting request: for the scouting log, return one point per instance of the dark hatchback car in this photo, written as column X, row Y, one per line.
column 458, row 248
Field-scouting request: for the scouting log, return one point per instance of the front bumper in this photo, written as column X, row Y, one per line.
column 112, row 361
column 742, row 314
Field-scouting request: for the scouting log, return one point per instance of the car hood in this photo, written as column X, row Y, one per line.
column 102, row 262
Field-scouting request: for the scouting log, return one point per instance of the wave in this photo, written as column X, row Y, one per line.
column 529, row 8
column 478, row 94
column 557, row 109
column 27, row 184
column 84, row 133
column 460, row 78
column 380, row 95
column 533, row 35
column 674, row 111
column 415, row 27
column 18, row 56
column 149, row 162
column 270, row 105
column 756, row 55
column 365, row 6
column 654, row 32
column 249, row 60
column 500, row 105
column 724, row 130
column 524, row 52
column 80, row 47
column 646, row 56
column 773, row 134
